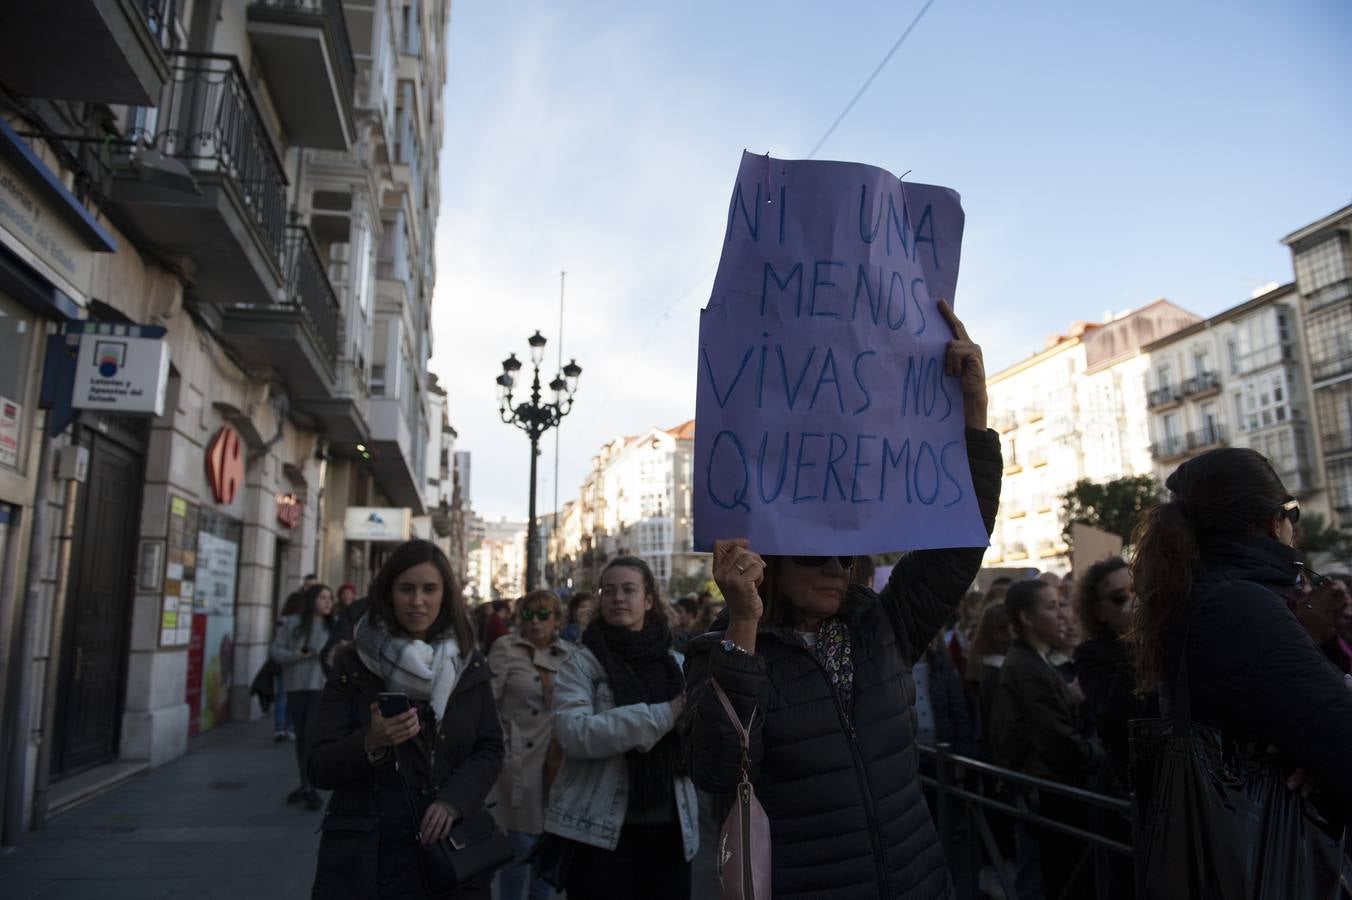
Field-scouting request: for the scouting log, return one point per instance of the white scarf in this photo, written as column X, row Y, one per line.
column 421, row 670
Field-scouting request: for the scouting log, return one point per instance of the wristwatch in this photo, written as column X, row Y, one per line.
column 734, row 647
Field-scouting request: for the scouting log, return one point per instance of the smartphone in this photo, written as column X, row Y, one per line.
column 392, row 704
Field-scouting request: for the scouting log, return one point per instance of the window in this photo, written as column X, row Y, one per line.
column 1265, row 401
column 1334, row 415
column 1330, row 334
column 1201, row 360
column 1322, row 265
column 1163, row 375
column 16, row 336
column 1232, row 355
column 1211, row 422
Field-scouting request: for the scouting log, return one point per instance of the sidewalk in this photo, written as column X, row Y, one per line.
column 214, row 824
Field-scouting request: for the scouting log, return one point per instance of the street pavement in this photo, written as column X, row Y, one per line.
column 213, row 824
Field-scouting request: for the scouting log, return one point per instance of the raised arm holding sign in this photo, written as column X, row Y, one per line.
column 841, row 411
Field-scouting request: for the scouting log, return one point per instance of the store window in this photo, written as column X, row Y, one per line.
column 16, row 336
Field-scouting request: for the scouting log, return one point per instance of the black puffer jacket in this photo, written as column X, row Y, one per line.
column 846, row 813
column 1254, row 671
column 368, row 851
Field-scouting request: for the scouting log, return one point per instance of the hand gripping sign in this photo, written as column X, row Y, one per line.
column 824, row 421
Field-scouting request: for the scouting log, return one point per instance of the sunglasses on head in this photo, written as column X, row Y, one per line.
column 1291, row 509
column 544, row 615
column 816, row 562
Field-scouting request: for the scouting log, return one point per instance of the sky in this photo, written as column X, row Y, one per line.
column 1107, row 155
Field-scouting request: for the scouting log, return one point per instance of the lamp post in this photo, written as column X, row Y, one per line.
column 535, row 417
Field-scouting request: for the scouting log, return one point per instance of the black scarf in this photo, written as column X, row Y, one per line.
column 641, row 669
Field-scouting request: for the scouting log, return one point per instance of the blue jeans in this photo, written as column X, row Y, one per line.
column 512, row 879
column 279, row 719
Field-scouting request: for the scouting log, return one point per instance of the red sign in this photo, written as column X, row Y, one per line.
column 288, row 510
column 225, row 465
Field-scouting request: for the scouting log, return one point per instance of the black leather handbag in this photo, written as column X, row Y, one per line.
column 474, row 849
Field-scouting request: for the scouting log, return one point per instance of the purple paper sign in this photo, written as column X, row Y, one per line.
column 824, row 421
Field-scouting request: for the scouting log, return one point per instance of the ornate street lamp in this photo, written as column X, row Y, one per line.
column 535, row 417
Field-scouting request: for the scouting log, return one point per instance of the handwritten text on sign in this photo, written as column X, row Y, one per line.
column 824, row 421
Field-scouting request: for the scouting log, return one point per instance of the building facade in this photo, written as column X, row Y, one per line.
column 164, row 195
column 636, row 500
column 1323, row 264
column 1240, row 378
column 1077, row 410
column 497, row 560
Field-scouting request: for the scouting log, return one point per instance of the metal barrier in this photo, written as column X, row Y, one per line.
column 957, row 787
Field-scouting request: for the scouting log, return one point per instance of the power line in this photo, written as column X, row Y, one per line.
column 840, row 118
column 868, row 81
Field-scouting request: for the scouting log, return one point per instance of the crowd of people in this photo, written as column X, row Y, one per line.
column 587, row 731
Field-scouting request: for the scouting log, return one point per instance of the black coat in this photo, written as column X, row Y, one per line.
column 1036, row 727
column 1254, row 671
column 1108, row 680
column 847, row 816
column 367, row 849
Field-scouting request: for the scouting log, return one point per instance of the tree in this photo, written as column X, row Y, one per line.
column 1112, row 505
column 1317, row 536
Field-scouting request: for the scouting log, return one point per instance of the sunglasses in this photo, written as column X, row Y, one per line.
column 816, row 562
column 544, row 615
column 1307, row 576
column 1291, row 509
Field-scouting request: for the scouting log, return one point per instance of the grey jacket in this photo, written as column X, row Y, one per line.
column 590, row 797
column 300, row 673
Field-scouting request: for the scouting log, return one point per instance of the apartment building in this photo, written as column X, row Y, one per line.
column 496, row 560
column 634, row 501
column 1076, row 410
column 191, row 310
column 1322, row 261
column 1239, row 378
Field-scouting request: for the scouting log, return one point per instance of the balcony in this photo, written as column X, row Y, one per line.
column 108, row 51
column 1202, row 385
column 1207, row 438
column 224, row 219
column 343, row 412
column 1337, row 443
column 298, row 336
column 1016, row 552
column 392, row 452
column 303, row 49
column 1164, row 397
column 1172, row 447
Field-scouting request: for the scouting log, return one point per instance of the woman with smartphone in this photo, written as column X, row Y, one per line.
column 406, row 736
column 296, row 649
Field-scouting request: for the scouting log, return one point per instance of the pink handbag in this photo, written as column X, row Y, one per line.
column 744, row 844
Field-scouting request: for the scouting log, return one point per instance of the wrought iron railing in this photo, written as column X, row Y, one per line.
column 1169, row 447
column 1201, row 383
column 1162, row 396
column 332, row 10
column 1210, row 436
column 307, row 286
column 208, row 119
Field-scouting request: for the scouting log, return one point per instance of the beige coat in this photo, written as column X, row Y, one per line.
column 523, row 706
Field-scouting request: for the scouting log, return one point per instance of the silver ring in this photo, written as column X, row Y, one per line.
column 741, row 570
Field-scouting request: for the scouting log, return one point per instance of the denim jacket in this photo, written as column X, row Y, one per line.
column 590, row 796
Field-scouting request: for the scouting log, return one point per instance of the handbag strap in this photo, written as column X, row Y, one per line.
column 408, row 797
column 1180, row 702
column 743, row 732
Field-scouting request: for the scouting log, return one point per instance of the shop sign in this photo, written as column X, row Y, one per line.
column 11, row 414
column 28, row 225
column 288, row 510
column 119, row 373
column 225, row 465
column 377, row 523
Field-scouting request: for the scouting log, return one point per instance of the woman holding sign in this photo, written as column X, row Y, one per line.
column 827, row 665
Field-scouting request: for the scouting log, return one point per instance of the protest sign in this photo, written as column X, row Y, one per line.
column 1089, row 545
column 824, row 421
